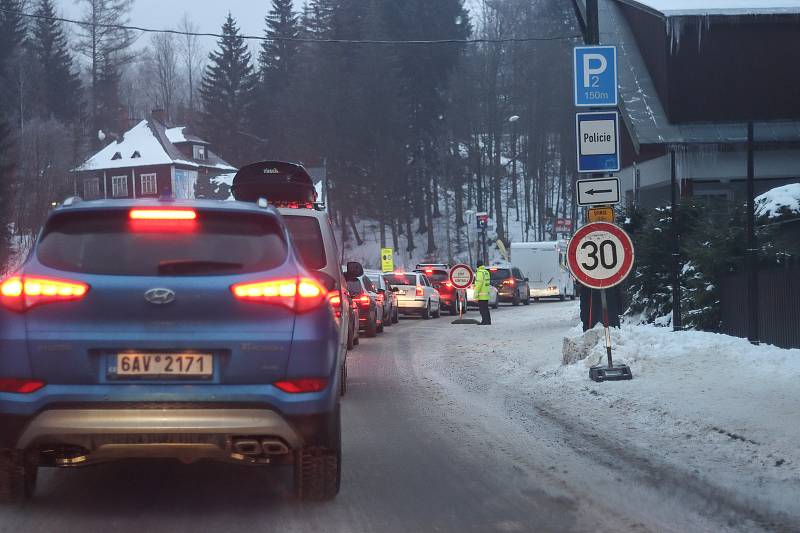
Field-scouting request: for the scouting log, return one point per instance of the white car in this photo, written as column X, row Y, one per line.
column 494, row 297
column 415, row 294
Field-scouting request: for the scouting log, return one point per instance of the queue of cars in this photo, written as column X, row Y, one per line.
column 195, row 330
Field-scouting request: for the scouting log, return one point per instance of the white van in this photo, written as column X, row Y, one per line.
column 545, row 265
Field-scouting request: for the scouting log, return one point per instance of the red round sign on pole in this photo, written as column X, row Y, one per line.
column 600, row 255
column 461, row 276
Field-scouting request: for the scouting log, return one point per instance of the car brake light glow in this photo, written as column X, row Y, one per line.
column 335, row 299
column 364, row 299
column 448, row 284
column 420, row 291
column 510, row 282
column 20, row 293
column 299, row 386
column 298, row 294
column 380, row 298
column 20, row 386
column 429, row 271
column 163, row 214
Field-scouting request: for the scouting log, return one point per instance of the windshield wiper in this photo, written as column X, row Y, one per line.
column 188, row 267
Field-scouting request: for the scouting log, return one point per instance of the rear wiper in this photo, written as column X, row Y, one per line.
column 195, row 267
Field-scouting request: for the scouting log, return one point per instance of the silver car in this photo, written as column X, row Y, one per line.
column 494, row 297
column 415, row 294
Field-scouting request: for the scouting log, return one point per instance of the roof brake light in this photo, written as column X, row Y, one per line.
column 163, row 214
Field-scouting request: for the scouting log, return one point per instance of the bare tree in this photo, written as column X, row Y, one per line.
column 163, row 62
column 102, row 42
column 191, row 56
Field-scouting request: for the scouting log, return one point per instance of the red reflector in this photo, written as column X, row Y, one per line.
column 335, row 299
column 298, row 294
column 20, row 386
column 20, row 293
column 299, row 386
column 163, row 214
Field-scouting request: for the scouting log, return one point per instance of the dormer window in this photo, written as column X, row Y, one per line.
column 199, row 152
column 116, row 156
column 136, row 155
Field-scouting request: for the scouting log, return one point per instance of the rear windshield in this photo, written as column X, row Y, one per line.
column 401, row 279
column 108, row 243
column 500, row 274
column 307, row 237
column 354, row 287
column 438, row 276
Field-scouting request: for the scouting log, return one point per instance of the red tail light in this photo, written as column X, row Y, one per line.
column 298, row 294
column 380, row 298
column 510, row 282
column 420, row 291
column 20, row 386
column 364, row 300
column 429, row 271
column 299, row 386
column 163, row 214
column 20, row 293
column 335, row 299
column 448, row 284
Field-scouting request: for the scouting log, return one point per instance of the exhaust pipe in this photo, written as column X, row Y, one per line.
column 274, row 447
column 247, row 447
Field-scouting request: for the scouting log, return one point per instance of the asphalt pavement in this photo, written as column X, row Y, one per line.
column 423, row 452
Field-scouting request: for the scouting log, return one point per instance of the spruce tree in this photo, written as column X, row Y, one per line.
column 6, row 168
column 61, row 86
column 227, row 90
column 12, row 40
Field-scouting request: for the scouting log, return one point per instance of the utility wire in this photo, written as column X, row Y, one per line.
column 296, row 39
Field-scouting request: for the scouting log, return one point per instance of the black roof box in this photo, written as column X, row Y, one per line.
column 277, row 181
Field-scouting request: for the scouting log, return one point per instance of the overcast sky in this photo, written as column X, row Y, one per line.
column 208, row 14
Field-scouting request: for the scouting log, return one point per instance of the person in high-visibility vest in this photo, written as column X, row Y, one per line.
column 482, row 284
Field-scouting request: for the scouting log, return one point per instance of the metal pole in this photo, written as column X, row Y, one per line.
column 677, row 322
column 592, row 22
column 607, row 329
column 752, row 243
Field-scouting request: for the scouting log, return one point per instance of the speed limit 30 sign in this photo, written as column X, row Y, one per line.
column 600, row 255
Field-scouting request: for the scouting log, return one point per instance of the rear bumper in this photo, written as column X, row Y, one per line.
column 412, row 306
column 190, row 414
column 545, row 293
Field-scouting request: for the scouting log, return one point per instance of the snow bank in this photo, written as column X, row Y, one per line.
column 779, row 201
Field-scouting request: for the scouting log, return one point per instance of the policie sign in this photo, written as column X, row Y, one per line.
column 595, row 76
column 598, row 142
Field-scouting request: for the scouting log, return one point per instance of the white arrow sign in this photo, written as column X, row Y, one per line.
column 604, row 191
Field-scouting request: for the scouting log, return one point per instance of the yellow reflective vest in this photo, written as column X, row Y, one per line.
column 482, row 283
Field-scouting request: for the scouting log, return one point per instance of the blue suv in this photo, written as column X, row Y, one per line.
column 169, row 329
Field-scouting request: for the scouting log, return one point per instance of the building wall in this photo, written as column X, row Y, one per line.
column 163, row 179
column 710, row 172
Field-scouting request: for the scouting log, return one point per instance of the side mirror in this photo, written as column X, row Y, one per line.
column 354, row 271
column 526, row 279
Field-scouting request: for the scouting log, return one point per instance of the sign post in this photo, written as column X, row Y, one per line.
column 600, row 256
column 462, row 277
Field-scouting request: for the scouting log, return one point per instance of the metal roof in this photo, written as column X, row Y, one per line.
column 676, row 8
column 641, row 107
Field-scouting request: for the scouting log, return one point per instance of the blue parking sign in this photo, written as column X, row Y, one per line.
column 595, row 76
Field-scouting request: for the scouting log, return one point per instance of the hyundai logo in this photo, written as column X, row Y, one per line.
column 160, row 296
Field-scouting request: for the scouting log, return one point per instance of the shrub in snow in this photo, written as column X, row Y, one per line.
column 779, row 203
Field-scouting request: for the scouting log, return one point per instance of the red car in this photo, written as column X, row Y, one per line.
column 439, row 276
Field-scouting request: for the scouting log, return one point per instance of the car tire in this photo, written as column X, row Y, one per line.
column 572, row 297
column 426, row 314
column 17, row 477
column 351, row 339
column 372, row 328
column 380, row 328
column 516, row 301
column 438, row 312
column 356, row 340
column 318, row 470
column 561, row 297
column 396, row 316
column 343, row 388
column 388, row 323
column 496, row 304
column 536, row 300
column 527, row 299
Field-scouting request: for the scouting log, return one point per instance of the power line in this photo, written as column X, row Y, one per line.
column 509, row 40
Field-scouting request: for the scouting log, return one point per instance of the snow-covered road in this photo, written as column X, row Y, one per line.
column 459, row 428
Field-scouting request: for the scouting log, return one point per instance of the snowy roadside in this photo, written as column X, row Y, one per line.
column 712, row 407
column 715, row 406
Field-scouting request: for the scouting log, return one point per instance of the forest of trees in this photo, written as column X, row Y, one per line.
column 409, row 132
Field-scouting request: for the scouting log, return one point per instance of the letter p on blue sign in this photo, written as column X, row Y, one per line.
column 595, row 76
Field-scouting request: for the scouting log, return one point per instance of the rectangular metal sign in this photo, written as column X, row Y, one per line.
column 387, row 259
column 601, row 214
column 595, row 76
column 598, row 141
column 603, row 191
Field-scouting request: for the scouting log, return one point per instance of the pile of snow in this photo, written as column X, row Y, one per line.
column 778, row 202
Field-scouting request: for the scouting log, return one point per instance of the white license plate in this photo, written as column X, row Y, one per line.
column 402, row 293
column 165, row 364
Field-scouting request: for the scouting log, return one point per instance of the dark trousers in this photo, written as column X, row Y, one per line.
column 486, row 318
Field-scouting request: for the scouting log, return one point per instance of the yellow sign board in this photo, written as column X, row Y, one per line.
column 601, row 214
column 387, row 259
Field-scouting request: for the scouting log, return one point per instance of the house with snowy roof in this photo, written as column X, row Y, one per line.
column 150, row 160
column 692, row 74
